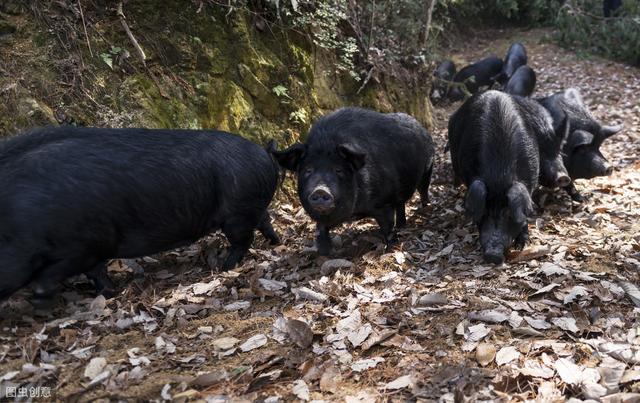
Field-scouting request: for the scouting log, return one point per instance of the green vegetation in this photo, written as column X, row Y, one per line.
column 580, row 24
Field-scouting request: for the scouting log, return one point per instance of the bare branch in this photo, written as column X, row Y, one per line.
column 84, row 25
column 134, row 41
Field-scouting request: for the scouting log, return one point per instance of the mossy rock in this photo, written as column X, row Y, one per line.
column 205, row 70
column 265, row 99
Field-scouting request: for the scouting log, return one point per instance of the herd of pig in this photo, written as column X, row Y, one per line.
column 513, row 76
column 75, row 197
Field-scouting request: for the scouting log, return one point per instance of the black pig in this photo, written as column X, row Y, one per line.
column 522, row 82
column 476, row 75
column 516, row 57
column 74, row 198
column 359, row 163
column 497, row 157
column 581, row 152
column 442, row 76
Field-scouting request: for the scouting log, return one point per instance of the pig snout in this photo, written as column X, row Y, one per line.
column 321, row 200
column 493, row 245
column 493, row 256
column 563, row 180
column 493, row 250
column 602, row 168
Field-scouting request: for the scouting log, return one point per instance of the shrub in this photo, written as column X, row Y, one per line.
column 580, row 23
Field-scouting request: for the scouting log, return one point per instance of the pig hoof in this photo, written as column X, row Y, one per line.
column 391, row 241
column 108, row 293
column 275, row 240
column 42, row 302
column 521, row 241
column 493, row 258
column 577, row 197
column 323, row 250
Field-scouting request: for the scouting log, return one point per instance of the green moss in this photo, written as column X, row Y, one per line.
column 264, row 98
column 228, row 105
column 215, row 73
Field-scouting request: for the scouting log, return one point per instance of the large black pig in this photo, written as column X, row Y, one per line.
column 359, row 163
column 516, row 56
column 495, row 154
column 581, row 152
column 74, row 198
column 476, row 75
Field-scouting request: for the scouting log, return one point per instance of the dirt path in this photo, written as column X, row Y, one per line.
column 415, row 323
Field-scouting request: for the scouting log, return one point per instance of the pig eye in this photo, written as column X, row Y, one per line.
column 338, row 171
column 308, row 171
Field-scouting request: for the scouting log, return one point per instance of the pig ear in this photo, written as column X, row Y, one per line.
column 476, row 200
column 579, row 138
column 289, row 158
column 608, row 131
column 520, row 203
column 354, row 156
column 573, row 95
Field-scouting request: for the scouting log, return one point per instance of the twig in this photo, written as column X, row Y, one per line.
column 84, row 25
column 427, row 26
column 134, row 41
column 136, row 45
column 575, row 10
column 366, row 80
column 373, row 18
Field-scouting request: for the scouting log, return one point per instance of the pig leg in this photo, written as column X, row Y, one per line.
column 267, row 230
column 423, row 186
column 323, row 240
column 47, row 281
column 101, row 280
column 385, row 219
column 573, row 192
column 522, row 238
column 240, row 236
column 15, row 272
column 401, row 218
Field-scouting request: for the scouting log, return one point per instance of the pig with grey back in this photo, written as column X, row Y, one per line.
column 581, row 151
column 502, row 147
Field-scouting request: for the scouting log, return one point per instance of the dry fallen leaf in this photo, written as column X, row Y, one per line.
column 489, row 315
column 632, row 291
column 300, row 333
column 366, row 363
column 400, row 383
column 330, row 379
column 507, row 354
column 254, row 342
column 568, row 324
column 95, row 367
column 485, row 353
column 225, row 343
column 569, row 372
column 301, row 390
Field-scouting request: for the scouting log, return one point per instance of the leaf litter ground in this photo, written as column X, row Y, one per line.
column 425, row 321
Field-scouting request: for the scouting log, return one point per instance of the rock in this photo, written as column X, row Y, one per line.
column 265, row 100
column 37, row 112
